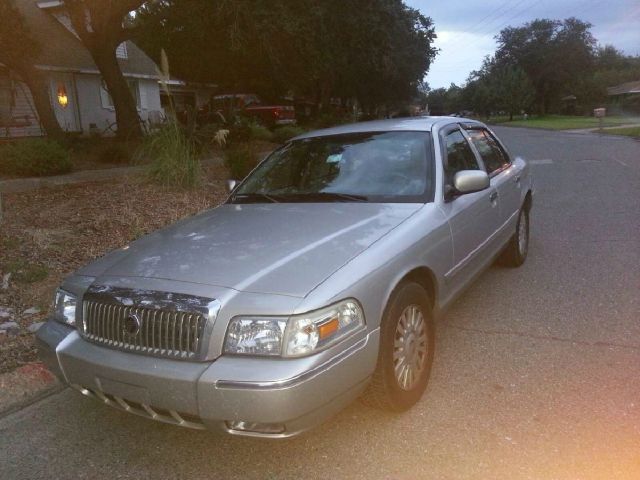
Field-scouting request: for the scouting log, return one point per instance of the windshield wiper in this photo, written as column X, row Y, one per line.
column 248, row 196
column 333, row 196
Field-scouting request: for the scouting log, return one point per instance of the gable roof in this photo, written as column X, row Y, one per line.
column 62, row 50
column 624, row 88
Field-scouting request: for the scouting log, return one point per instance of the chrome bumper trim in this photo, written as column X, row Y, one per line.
column 147, row 411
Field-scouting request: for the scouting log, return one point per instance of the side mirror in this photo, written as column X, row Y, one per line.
column 231, row 185
column 469, row 181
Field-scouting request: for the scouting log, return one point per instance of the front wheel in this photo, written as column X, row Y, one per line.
column 515, row 253
column 406, row 350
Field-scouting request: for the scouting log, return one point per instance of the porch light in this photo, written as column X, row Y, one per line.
column 63, row 99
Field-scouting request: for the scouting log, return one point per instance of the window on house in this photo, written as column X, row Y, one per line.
column 121, row 51
column 6, row 98
column 107, row 101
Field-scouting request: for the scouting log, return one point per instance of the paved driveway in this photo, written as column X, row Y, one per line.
column 537, row 372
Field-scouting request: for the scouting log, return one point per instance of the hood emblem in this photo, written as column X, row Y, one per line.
column 131, row 324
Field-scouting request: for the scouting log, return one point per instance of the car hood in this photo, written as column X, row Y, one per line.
column 285, row 249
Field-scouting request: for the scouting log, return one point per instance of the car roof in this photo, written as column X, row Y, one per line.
column 396, row 124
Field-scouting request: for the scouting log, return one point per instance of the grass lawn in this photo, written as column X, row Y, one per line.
column 629, row 131
column 563, row 122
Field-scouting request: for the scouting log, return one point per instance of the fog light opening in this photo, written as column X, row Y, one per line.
column 254, row 427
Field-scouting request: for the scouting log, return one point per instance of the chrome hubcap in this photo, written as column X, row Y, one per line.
column 410, row 347
column 522, row 233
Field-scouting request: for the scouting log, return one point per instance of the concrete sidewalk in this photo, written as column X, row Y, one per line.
column 25, row 184
column 83, row 176
column 603, row 129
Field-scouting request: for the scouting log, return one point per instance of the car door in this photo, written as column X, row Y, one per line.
column 505, row 178
column 474, row 217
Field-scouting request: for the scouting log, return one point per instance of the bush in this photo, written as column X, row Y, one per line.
column 260, row 132
column 174, row 157
column 35, row 156
column 283, row 134
column 115, row 153
column 241, row 159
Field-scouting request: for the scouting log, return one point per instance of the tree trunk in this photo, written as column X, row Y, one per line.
column 129, row 126
column 39, row 88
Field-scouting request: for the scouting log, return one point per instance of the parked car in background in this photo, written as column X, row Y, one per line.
column 248, row 105
column 316, row 282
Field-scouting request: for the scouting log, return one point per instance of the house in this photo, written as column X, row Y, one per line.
column 80, row 100
column 625, row 98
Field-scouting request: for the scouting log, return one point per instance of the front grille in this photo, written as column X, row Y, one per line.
column 167, row 333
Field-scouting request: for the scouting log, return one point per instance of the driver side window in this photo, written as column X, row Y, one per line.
column 459, row 155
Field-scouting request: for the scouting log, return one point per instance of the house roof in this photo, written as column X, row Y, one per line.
column 62, row 50
column 624, row 88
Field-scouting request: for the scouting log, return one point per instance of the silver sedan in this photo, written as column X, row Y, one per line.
column 317, row 282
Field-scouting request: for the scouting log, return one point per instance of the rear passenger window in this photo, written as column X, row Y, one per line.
column 492, row 155
column 459, row 155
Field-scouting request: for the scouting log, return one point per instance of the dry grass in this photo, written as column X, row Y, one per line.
column 52, row 232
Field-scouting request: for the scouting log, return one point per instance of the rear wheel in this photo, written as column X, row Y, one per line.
column 517, row 249
column 406, row 350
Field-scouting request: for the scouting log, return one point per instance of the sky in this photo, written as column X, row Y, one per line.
column 466, row 28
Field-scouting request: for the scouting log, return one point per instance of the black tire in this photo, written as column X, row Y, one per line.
column 515, row 253
column 385, row 390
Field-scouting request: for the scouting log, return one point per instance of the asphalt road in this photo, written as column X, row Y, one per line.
column 537, row 371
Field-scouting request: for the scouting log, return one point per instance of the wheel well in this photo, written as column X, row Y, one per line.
column 424, row 277
column 527, row 201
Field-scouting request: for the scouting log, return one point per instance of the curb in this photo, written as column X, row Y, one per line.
column 27, row 385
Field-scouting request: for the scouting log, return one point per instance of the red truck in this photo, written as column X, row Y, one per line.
column 250, row 105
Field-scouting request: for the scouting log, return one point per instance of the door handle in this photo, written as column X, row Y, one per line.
column 493, row 196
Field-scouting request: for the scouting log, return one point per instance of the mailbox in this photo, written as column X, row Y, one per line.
column 599, row 112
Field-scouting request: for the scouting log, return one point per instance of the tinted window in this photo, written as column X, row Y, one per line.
column 374, row 166
column 492, row 155
column 459, row 155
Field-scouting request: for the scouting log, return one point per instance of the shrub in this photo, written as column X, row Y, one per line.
column 115, row 153
column 260, row 132
column 174, row 158
column 35, row 156
column 283, row 134
column 241, row 159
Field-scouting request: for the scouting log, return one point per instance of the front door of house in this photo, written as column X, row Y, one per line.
column 65, row 103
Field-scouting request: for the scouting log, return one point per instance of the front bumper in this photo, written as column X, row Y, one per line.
column 287, row 395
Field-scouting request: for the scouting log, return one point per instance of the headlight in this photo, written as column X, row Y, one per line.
column 295, row 336
column 64, row 307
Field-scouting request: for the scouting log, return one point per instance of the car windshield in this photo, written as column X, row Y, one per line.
column 374, row 167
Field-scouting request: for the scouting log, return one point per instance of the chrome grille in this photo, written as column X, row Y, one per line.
column 167, row 333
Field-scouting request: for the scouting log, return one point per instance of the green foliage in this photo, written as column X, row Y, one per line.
column 260, row 132
column 34, row 157
column 320, row 50
column 554, row 54
column 565, row 122
column 115, row 152
column 173, row 155
column 283, row 134
column 629, row 131
column 24, row 272
column 241, row 159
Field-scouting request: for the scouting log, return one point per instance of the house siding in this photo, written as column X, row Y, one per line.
column 96, row 116
column 22, row 118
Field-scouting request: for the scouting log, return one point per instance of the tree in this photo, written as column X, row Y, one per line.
column 374, row 50
column 19, row 53
column 102, row 26
column 554, row 54
column 514, row 90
